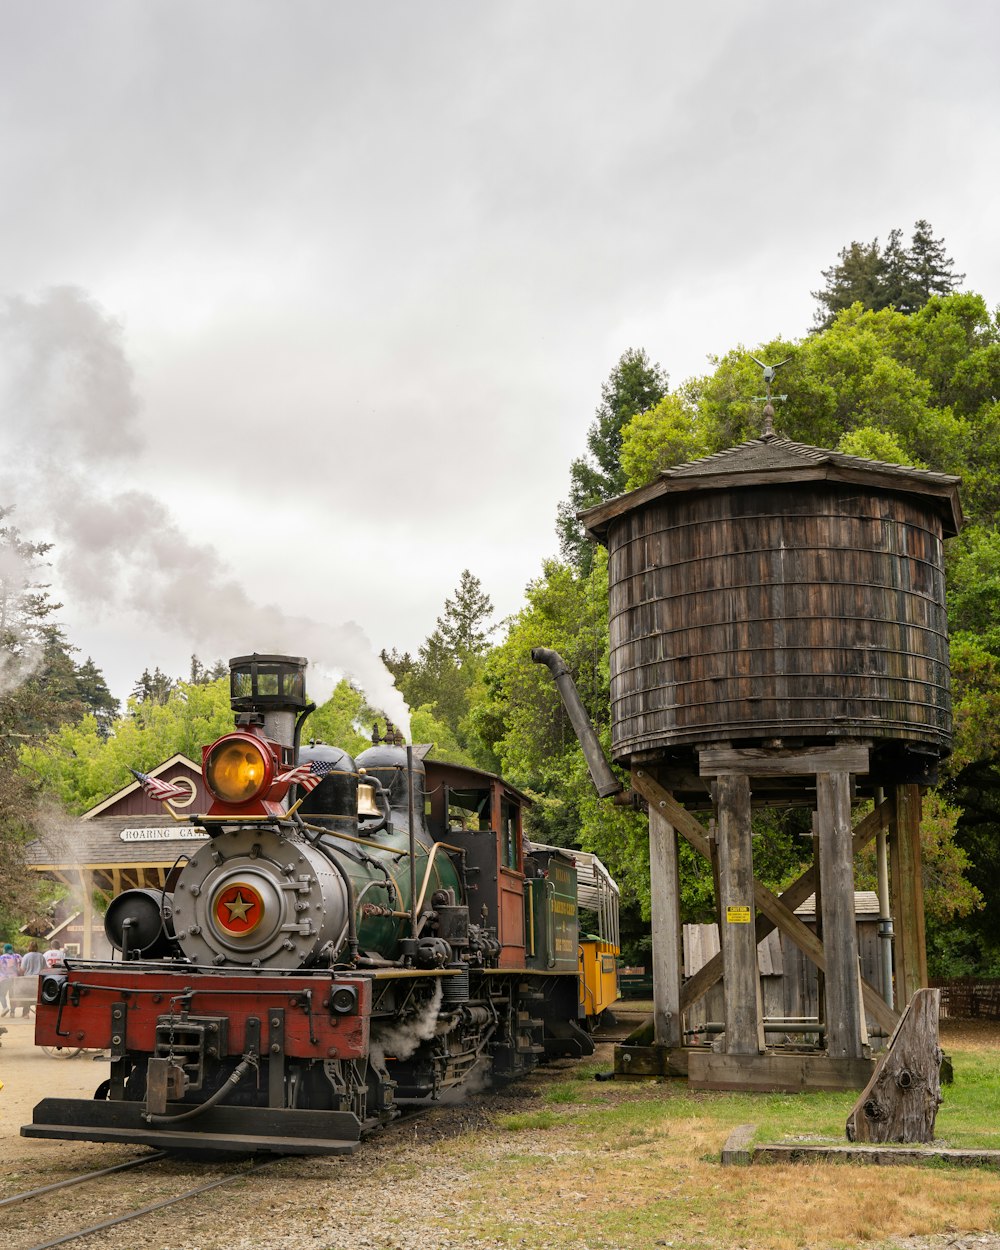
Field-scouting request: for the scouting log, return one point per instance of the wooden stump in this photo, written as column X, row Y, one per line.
column 900, row 1102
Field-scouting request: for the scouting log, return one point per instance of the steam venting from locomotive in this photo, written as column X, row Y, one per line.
column 69, row 426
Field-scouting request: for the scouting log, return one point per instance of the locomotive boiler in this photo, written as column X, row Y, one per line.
column 352, row 937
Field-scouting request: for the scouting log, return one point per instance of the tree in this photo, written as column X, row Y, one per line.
column 201, row 674
column 928, row 270
column 634, row 385
column 79, row 766
column 665, row 435
column 344, row 720
column 95, row 696
column 856, row 278
column 896, row 277
column 464, row 625
column 155, row 687
column 40, row 688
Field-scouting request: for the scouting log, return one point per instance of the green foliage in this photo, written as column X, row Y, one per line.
column 465, row 623
column 893, row 277
column 345, row 720
column 633, row 386
column 80, row 767
column 913, row 388
column 873, row 444
column 442, row 683
column 667, row 434
column 41, row 687
column 974, row 586
column 155, row 687
column 520, row 716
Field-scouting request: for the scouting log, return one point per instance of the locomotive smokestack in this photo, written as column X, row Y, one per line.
column 273, row 686
column 605, row 782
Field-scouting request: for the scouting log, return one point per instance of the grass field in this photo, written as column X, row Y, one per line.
column 628, row 1166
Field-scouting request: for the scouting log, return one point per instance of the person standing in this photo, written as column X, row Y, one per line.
column 10, row 967
column 32, row 965
column 55, row 956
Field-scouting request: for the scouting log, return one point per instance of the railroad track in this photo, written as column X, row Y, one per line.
column 408, row 1116
column 138, row 1212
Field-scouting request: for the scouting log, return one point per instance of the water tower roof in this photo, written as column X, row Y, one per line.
column 771, row 460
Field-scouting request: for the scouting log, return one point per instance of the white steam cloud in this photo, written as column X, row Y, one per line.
column 69, row 425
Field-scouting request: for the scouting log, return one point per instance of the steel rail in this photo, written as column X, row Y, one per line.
column 84, row 1176
column 153, row 1206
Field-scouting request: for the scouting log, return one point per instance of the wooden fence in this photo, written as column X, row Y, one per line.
column 970, row 998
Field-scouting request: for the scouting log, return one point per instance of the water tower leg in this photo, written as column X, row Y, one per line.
column 840, row 935
column 740, row 987
column 666, row 924
column 907, row 892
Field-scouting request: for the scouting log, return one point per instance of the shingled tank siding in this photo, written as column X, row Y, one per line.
column 812, row 610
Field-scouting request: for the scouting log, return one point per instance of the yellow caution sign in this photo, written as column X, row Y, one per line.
column 737, row 915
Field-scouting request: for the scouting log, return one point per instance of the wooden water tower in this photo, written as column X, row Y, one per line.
column 778, row 636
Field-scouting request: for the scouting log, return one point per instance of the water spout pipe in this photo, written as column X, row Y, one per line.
column 605, row 782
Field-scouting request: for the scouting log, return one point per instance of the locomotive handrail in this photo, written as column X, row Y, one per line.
column 349, row 837
column 427, row 870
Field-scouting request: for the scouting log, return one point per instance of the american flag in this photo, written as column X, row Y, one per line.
column 162, row 791
column 308, row 776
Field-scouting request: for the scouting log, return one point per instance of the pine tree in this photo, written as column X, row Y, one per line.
column 464, row 625
column 856, row 278
column 930, row 270
column 203, row 674
column 896, row 277
column 634, row 385
column 155, row 687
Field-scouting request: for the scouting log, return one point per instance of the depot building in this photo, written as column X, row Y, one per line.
column 129, row 841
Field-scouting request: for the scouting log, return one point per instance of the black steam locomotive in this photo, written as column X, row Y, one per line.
column 325, row 959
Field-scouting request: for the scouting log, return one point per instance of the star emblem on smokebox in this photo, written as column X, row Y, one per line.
column 238, row 909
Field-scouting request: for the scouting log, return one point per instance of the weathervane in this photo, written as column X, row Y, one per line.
column 769, row 372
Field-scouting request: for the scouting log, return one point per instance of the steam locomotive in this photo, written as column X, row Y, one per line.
column 326, row 959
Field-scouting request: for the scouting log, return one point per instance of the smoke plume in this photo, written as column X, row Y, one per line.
column 70, row 425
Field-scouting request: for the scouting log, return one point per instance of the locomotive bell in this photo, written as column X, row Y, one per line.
column 366, row 801
column 272, row 685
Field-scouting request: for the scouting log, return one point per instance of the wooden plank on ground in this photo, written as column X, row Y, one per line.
column 738, row 1150
column 783, row 1073
column 878, row 1155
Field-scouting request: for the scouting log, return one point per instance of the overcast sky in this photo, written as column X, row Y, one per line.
column 353, row 274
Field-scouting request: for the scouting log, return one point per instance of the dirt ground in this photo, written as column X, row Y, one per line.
column 388, row 1196
column 29, row 1074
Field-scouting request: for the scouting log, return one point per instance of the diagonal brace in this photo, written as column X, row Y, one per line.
column 777, row 913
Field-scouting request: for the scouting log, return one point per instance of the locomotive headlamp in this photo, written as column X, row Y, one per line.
column 53, row 984
column 344, row 999
column 238, row 769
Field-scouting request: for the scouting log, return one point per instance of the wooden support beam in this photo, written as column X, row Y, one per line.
column 840, row 930
column 665, row 902
column 762, row 762
column 87, row 900
column 907, row 887
column 741, row 983
column 792, row 897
